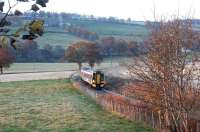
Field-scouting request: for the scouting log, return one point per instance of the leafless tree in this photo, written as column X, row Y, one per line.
column 6, row 58
column 170, row 73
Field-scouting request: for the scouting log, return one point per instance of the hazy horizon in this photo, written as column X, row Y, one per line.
column 136, row 10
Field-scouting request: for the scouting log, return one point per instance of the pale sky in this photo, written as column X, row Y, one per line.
column 135, row 9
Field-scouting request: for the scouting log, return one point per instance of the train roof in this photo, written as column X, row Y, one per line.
column 89, row 70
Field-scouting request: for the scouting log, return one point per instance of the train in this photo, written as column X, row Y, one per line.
column 95, row 78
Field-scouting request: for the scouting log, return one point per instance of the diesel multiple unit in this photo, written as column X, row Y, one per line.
column 95, row 78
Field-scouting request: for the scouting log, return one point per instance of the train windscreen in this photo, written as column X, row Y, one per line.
column 98, row 78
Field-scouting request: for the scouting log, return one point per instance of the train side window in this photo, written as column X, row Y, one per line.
column 102, row 77
column 94, row 76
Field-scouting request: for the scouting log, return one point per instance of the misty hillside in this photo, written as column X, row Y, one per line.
column 57, row 27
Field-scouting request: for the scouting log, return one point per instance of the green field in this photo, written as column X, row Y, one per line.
column 54, row 105
column 105, row 28
column 45, row 67
column 54, row 39
column 124, row 31
column 42, row 67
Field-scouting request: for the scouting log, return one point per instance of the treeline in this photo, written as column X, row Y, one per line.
column 29, row 51
column 82, row 33
column 84, row 52
column 54, row 19
column 111, row 46
column 94, row 52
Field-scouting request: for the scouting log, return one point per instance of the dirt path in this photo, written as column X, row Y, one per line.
column 35, row 76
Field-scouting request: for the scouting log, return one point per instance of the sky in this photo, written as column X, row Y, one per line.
column 140, row 10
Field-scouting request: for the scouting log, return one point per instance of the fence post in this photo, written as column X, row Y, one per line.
column 152, row 117
column 145, row 116
column 112, row 105
column 160, row 122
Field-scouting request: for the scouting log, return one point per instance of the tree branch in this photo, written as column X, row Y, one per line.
column 3, row 20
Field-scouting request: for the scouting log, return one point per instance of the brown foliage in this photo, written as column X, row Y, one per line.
column 6, row 58
column 84, row 51
column 169, row 73
column 111, row 46
column 92, row 54
column 83, row 33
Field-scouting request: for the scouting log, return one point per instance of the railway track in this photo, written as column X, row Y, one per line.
column 84, row 87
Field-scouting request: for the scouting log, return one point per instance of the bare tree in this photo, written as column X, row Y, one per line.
column 76, row 53
column 6, row 58
column 92, row 54
column 84, row 51
column 170, row 73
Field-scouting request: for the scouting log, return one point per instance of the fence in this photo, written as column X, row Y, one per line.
column 130, row 108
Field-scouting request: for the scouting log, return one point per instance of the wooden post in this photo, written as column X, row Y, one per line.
column 145, row 116
column 152, row 117
column 160, row 122
column 1, row 68
column 198, row 126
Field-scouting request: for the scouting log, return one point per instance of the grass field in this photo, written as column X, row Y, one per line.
column 55, row 106
column 54, row 39
column 42, row 67
column 105, row 28
column 124, row 31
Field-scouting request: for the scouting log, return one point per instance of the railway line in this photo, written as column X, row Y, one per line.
column 130, row 108
column 123, row 106
column 87, row 89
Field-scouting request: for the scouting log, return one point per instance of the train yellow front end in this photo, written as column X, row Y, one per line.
column 98, row 80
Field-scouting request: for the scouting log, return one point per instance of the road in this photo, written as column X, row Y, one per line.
column 35, row 76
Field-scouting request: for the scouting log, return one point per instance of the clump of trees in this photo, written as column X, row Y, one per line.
column 84, row 52
column 6, row 58
column 83, row 33
column 111, row 46
column 170, row 74
column 94, row 52
column 30, row 51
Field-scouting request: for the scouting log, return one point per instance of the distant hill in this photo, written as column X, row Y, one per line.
column 123, row 31
column 58, row 24
column 128, row 30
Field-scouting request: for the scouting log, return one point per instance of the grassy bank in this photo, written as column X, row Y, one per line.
column 55, row 106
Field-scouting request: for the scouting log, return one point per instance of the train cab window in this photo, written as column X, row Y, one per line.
column 98, row 78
